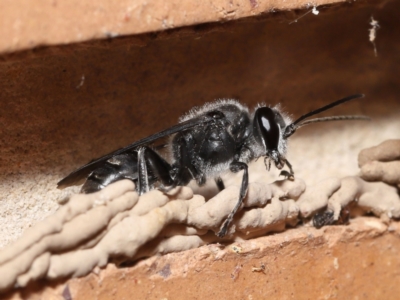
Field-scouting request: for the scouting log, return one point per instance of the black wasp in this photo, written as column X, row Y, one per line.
column 207, row 141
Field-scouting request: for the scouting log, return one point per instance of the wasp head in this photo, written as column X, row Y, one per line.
column 272, row 128
column 268, row 130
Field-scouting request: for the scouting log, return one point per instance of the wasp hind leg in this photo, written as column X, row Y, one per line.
column 151, row 168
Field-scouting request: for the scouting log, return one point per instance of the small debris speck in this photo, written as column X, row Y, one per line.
column 66, row 293
column 372, row 33
column 81, row 82
column 237, row 249
column 261, row 268
column 336, row 263
column 165, row 271
column 235, row 273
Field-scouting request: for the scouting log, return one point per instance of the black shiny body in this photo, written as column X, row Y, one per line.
column 217, row 137
column 198, row 153
column 208, row 150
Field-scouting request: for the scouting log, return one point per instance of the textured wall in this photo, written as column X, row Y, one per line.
column 28, row 24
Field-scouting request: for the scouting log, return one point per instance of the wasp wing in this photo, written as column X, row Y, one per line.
column 77, row 176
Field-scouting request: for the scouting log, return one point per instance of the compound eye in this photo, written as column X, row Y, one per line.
column 267, row 126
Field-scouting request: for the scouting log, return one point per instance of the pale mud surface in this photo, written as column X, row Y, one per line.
column 116, row 224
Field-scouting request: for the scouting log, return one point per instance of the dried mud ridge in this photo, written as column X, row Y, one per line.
column 116, row 224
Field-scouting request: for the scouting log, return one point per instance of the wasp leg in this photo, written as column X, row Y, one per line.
column 143, row 176
column 289, row 175
column 150, row 164
column 184, row 167
column 235, row 167
column 220, row 183
column 201, row 179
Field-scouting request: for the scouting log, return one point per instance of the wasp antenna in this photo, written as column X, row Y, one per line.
column 335, row 118
column 329, row 106
column 290, row 129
